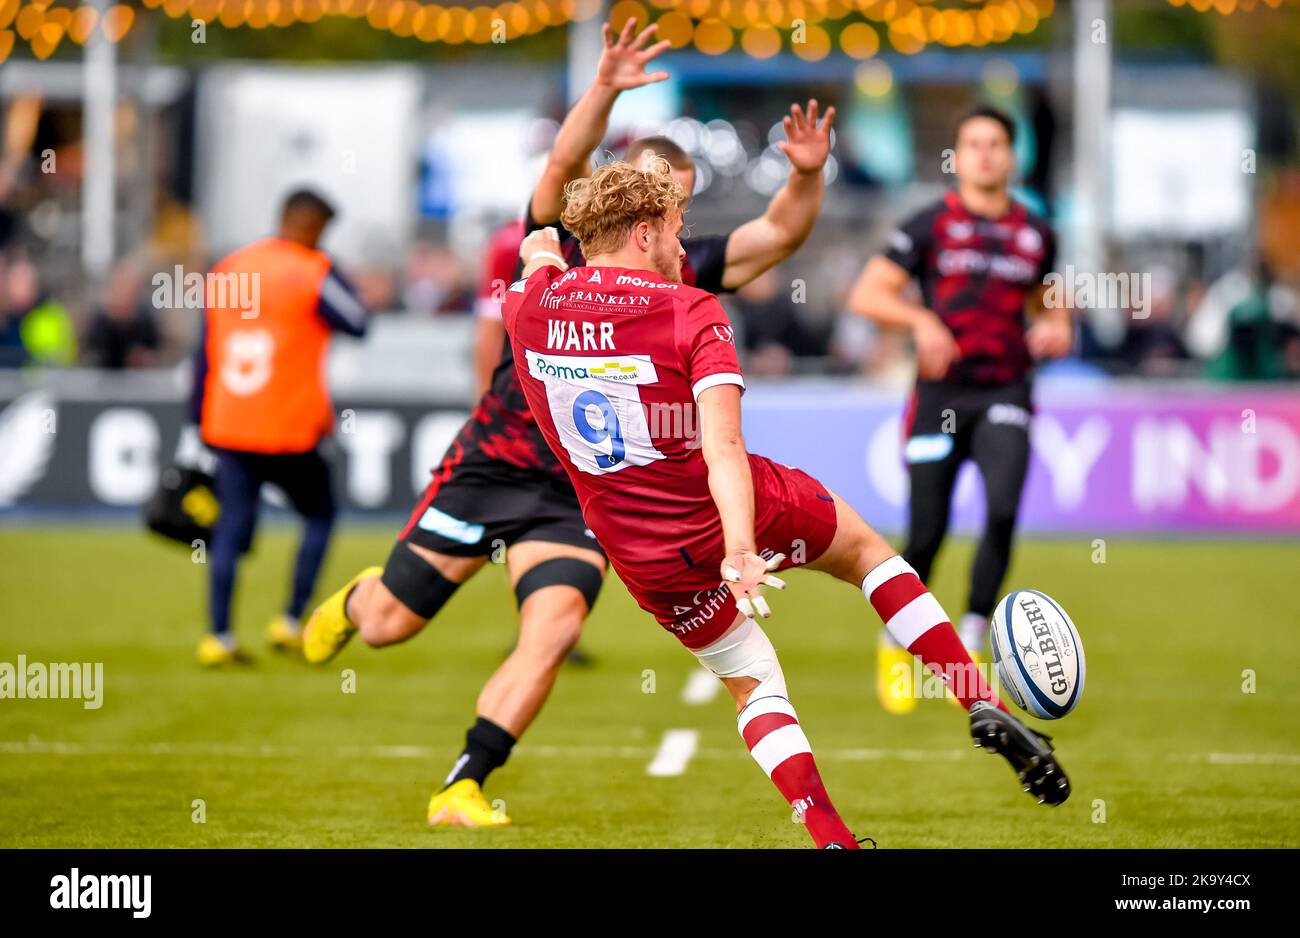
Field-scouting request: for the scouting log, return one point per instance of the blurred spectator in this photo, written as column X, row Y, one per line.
column 435, row 281
column 19, row 131
column 859, row 346
column 376, row 286
column 1259, row 335
column 34, row 328
column 122, row 333
column 1279, row 221
column 1152, row 344
column 773, row 334
column 9, row 218
column 1230, row 305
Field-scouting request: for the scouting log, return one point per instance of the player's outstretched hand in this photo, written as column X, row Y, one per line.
column 542, row 246
column 807, row 143
column 746, row 573
column 622, row 64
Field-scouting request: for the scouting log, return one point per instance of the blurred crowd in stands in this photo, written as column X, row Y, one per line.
column 1238, row 323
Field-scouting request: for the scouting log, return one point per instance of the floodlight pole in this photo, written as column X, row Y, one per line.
column 99, row 74
column 1093, row 35
column 585, row 46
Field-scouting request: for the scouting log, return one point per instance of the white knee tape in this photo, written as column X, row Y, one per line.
column 746, row 652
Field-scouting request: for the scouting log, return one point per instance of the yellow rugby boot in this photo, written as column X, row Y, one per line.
column 463, row 805
column 894, row 683
column 214, row 653
column 283, row 633
column 328, row 629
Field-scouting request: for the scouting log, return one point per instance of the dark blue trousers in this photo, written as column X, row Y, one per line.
column 305, row 480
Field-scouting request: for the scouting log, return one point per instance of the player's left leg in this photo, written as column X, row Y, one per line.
column 914, row 618
column 859, row 555
column 555, row 585
column 1000, row 448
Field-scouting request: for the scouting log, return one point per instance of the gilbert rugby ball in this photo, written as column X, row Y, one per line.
column 1038, row 655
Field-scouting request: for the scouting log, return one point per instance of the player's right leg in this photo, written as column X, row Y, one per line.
column 858, row 555
column 745, row 661
column 388, row 604
column 703, row 616
column 437, row 551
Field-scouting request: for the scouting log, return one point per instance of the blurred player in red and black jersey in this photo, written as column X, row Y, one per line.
column 500, row 261
column 499, row 486
column 693, row 523
column 980, row 259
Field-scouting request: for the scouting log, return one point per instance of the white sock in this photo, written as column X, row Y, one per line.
column 973, row 630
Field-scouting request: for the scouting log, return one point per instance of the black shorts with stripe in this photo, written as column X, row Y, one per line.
column 477, row 504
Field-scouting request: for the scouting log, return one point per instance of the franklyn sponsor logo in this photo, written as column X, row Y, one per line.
column 104, row 891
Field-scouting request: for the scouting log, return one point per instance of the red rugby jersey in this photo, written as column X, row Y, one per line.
column 611, row 361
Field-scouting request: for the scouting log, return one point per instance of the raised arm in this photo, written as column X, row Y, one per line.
column 732, row 487
column 879, row 295
column 777, row 233
column 622, row 67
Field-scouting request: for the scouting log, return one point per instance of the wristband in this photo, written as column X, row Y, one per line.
column 536, row 254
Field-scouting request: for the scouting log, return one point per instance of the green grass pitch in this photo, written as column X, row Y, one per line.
column 1165, row 750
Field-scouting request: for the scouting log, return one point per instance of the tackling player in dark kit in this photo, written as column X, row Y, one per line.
column 980, row 259
column 499, row 485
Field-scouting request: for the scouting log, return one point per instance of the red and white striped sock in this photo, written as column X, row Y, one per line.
column 917, row 622
column 778, row 744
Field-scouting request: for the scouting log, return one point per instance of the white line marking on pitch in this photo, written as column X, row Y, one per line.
column 674, row 753
column 37, row 747
column 701, row 687
column 1253, row 758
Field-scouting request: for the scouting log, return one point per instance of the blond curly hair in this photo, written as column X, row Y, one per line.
column 601, row 210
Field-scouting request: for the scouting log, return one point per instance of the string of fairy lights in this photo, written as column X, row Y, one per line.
column 759, row 28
